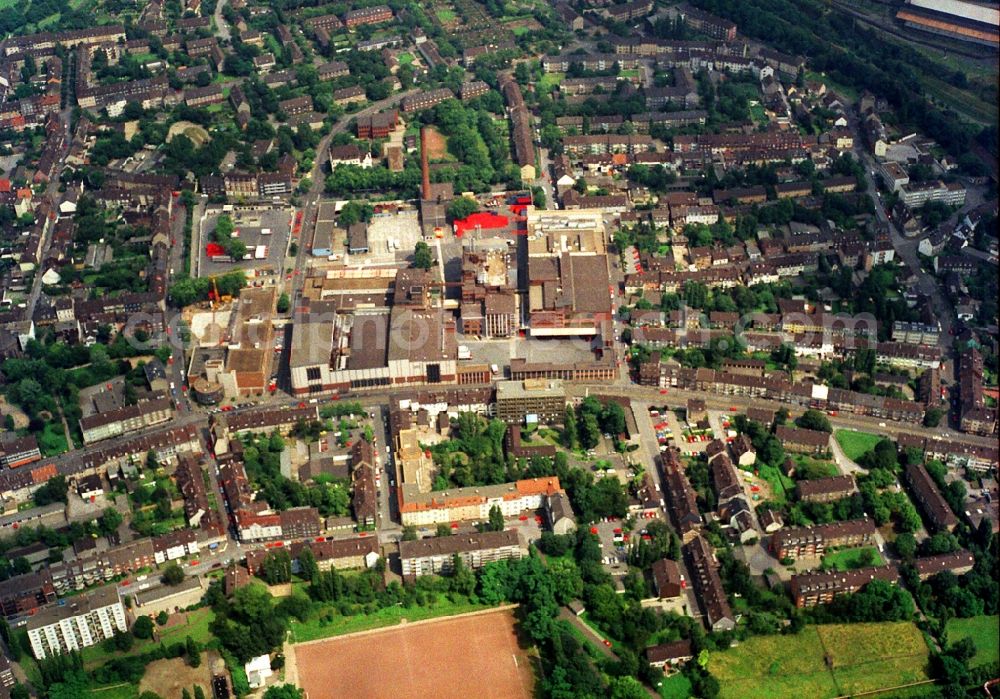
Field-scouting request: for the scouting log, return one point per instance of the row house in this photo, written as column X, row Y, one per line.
column 703, row 567
column 925, row 491
column 425, row 100
column 957, row 563
column 799, row 542
column 92, row 566
column 811, row 589
column 114, row 423
column 608, row 143
column 681, row 498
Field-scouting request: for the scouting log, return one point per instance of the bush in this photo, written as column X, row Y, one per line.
column 143, row 627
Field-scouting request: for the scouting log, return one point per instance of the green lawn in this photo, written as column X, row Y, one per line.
column 850, row 559
column 757, row 113
column 983, row 630
column 445, row 15
column 781, row 485
column 549, row 82
column 816, row 468
column 855, row 443
column 390, row 616
column 676, row 686
column 405, row 58
column 196, row 628
column 52, row 440
column 864, row 657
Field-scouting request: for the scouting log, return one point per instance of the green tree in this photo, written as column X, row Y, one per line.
column 162, row 617
column 409, row 533
column 284, row 303
column 567, row 582
column 109, row 521
column 814, row 420
column 496, row 519
column 199, row 693
column 463, row 580
column 173, row 574
column 193, row 651
column 185, row 694
column 123, row 641
column 462, row 207
column 308, row 568
column 422, row 257
column 443, row 530
column 284, row 691
column 626, row 688
column 143, row 627
column 590, row 435
column 932, row 418
column 569, row 434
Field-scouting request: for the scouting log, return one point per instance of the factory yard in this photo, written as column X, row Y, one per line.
column 264, row 230
column 472, row 655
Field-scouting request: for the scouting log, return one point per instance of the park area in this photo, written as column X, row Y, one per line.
column 475, row 655
column 984, row 632
column 854, row 443
column 822, row 661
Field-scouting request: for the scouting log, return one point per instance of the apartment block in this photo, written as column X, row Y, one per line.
column 531, row 400
column 84, row 621
column 436, row 555
column 800, row 542
column 810, row 589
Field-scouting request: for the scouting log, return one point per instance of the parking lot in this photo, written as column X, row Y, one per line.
column 614, row 541
column 392, row 236
column 256, row 227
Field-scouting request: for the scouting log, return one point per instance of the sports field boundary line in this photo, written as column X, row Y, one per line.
column 407, row 624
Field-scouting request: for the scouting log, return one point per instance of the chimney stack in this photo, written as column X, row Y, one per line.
column 424, row 167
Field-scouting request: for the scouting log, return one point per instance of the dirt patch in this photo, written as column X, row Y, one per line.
column 169, row 677
column 437, row 144
column 470, row 656
column 20, row 419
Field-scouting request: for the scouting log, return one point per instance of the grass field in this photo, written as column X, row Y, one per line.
column 855, row 443
column 983, row 632
column 549, row 82
column 781, row 485
column 675, row 687
column 849, row 559
column 470, row 656
column 405, row 58
column 444, row 16
column 863, row 657
column 391, row 616
column 196, row 627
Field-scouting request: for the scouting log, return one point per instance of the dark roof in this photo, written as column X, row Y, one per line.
column 665, row 573
column 826, row 486
column 804, row 437
column 931, row 565
column 665, row 652
column 934, row 505
column 459, row 543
